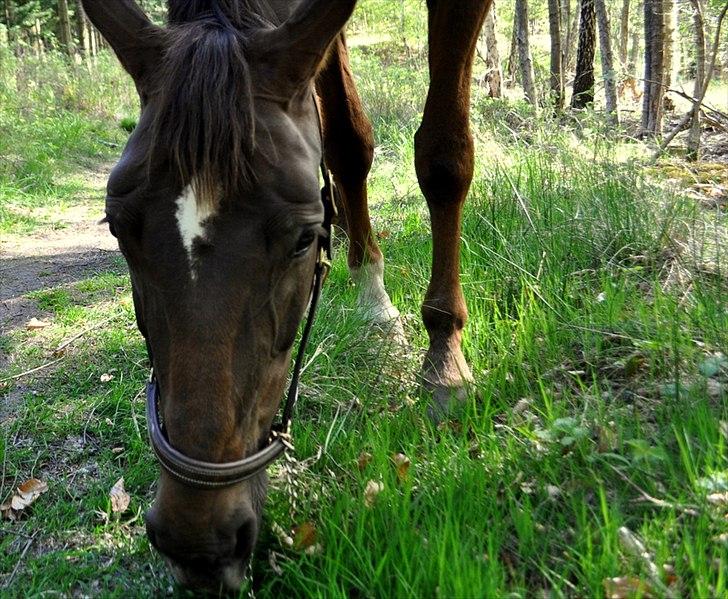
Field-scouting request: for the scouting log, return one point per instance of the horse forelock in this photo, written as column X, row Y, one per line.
column 205, row 121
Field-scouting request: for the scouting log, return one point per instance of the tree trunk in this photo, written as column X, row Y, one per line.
column 564, row 25
column 557, row 69
column 512, row 66
column 584, row 80
column 83, row 43
column 624, row 34
column 608, row 72
column 9, row 19
column 64, row 27
column 494, row 75
column 524, row 52
column 699, row 32
column 571, row 38
column 652, row 108
column 37, row 38
column 670, row 9
column 634, row 53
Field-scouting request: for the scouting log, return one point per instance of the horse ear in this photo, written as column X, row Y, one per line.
column 295, row 50
column 135, row 39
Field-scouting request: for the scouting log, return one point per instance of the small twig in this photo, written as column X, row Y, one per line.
column 9, row 581
column 86, row 331
column 654, row 500
column 636, row 549
column 31, row 371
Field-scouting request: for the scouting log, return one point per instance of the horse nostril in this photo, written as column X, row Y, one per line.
column 246, row 537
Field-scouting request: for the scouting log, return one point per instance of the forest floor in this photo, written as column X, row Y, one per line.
column 597, row 286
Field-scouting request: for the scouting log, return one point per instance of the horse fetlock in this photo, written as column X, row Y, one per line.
column 373, row 300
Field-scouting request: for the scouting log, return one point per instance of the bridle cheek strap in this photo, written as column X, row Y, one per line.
column 211, row 475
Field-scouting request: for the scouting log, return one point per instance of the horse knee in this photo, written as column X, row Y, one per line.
column 350, row 151
column 444, row 166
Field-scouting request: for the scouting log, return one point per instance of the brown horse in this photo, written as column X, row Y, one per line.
column 217, row 209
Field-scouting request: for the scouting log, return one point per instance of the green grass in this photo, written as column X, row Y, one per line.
column 55, row 117
column 599, row 401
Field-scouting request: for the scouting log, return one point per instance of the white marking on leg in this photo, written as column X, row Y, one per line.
column 191, row 218
column 373, row 298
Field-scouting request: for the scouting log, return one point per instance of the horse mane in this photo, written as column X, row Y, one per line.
column 205, row 124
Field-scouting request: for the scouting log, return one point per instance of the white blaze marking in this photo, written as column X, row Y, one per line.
column 191, row 218
column 373, row 298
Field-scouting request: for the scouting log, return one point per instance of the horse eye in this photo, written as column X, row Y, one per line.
column 304, row 243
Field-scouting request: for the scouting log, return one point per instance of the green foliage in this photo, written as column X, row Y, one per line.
column 53, row 114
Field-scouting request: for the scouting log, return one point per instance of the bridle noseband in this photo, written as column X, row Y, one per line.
column 210, row 475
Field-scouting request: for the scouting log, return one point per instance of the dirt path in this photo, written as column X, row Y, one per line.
column 72, row 247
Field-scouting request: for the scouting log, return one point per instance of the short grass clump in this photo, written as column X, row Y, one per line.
column 598, row 414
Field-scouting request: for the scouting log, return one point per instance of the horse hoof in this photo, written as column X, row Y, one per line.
column 445, row 402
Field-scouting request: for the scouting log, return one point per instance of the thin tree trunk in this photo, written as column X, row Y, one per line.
column 557, row 69
column 83, row 44
column 652, row 108
column 634, row 53
column 670, row 14
column 608, row 72
column 624, row 34
column 512, row 66
column 564, row 25
column 584, row 80
column 37, row 39
column 524, row 52
column 494, row 75
column 9, row 19
column 572, row 37
column 64, row 24
column 693, row 149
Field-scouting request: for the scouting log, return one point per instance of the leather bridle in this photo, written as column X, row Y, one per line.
column 210, row 475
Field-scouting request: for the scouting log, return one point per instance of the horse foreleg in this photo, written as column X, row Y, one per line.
column 444, row 160
column 349, row 151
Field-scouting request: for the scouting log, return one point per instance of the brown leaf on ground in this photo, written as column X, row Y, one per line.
column 35, row 324
column 364, row 460
column 402, row 463
column 7, row 512
column 304, row 536
column 626, row 587
column 120, row 499
column 373, row 489
column 24, row 497
column 27, row 493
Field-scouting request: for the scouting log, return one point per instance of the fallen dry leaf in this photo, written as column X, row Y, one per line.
column 364, row 460
column 402, row 463
column 626, row 587
column 7, row 512
column 34, row 324
column 373, row 489
column 25, row 495
column 304, row 536
column 718, row 498
column 120, row 499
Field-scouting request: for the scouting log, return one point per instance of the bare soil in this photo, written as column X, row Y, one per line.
column 71, row 248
